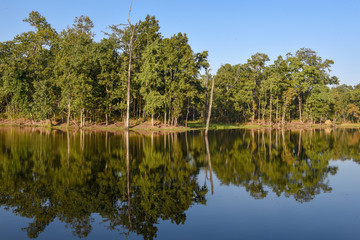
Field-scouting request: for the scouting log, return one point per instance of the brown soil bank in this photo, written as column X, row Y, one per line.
column 138, row 125
column 134, row 125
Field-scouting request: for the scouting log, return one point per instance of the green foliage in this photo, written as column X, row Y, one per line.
column 154, row 102
column 45, row 104
column 44, row 73
column 353, row 112
column 319, row 104
column 277, row 92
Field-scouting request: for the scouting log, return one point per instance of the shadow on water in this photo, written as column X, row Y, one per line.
column 132, row 180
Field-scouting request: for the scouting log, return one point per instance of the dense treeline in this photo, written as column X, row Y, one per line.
column 70, row 77
column 294, row 87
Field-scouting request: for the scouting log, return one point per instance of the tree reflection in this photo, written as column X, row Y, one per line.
column 208, row 159
column 296, row 164
column 133, row 181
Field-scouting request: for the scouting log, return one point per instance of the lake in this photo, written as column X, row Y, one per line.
column 233, row 184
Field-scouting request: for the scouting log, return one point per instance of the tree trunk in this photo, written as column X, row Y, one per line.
column 81, row 118
column 84, row 117
column 289, row 116
column 264, row 106
column 206, row 92
column 169, row 122
column 277, row 110
column 165, row 118
column 152, row 120
column 284, row 113
column 109, row 120
column 134, row 108
column 139, row 106
column 129, row 71
column 187, row 115
column 253, row 111
column 32, row 119
column 210, row 106
column 300, row 105
column 107, row 107
column 259, row 109
column 69, row 113
column 271, row 102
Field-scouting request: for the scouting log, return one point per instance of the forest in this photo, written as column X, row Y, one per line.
column 68, row 77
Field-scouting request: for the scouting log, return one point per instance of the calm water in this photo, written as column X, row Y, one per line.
column 235, row 184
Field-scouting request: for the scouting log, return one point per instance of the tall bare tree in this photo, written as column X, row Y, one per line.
column 210, row 106
column 132, row 29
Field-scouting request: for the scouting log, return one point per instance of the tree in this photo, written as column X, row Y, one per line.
column 257, row 67
column 288, row 97
column 353, row 112
column 276, row 83
column 109, row 76
column 318, row 105
column 134, row 72
column 210, row 106
column 27, row 66
column 76, row 68
column 132, row 30
column 233, row 93
column 151, row 78
column 180, row 75
column 306, row 71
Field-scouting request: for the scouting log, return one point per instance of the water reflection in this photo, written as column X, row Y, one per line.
column 132, row 180
column 288, row 163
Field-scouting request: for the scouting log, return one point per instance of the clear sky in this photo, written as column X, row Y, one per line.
column 230, row 30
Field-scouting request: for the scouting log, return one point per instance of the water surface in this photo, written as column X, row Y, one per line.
column 250, row 184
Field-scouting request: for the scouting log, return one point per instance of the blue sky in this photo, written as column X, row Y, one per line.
column 230, row 30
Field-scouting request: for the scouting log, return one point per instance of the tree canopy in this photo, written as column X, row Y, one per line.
column 45, row 74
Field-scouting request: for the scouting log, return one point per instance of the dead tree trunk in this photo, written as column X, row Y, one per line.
column 69, row 113
column 206, row 91
column 210, row 106
column 132, row 29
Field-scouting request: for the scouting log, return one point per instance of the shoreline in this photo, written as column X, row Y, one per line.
column 137, row 126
